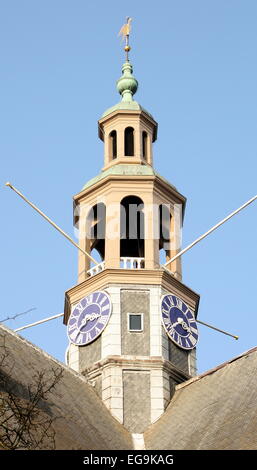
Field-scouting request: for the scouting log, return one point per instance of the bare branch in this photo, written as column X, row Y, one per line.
column 18, row 315
column 25, row 421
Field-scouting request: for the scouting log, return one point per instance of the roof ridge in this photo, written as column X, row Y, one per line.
column 215, row 369
column 8, row 330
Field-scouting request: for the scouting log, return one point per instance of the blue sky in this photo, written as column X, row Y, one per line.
column 196, row 66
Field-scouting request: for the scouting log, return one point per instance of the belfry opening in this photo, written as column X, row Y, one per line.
column 132, row 227
column 95, row 229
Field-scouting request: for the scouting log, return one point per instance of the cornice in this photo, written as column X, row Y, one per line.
column 127, row 113
column 137, row 362
column 127, row 161
column 127, row 277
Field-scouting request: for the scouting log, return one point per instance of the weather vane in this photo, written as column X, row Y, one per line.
column 124, row 32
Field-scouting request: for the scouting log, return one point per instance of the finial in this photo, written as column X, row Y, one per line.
column 127, row 84
column 124, row 32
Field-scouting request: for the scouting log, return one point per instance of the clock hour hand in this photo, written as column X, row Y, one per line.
column 182, row 323
column 89, row 317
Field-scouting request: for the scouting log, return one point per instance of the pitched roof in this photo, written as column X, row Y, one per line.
column 126, row 105
column 214, row 411
column 128, row 170
column 83, row 421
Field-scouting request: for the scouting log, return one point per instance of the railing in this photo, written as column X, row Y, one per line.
column 126, row 262
column 132, row 263
column 96, row 269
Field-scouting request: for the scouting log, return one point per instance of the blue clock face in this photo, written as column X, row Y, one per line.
column 89, row 318
column 179, row 322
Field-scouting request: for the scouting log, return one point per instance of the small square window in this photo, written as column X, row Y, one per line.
column 135, row 321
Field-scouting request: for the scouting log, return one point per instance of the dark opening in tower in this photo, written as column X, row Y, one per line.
column 96, row 221
column 132, row 227
column 164, row 234
column 129, row 142
column 144, row 144
column 113, row 144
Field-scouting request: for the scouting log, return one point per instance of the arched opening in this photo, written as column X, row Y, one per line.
column 129, row 142
column 164, row 232
column 132, row 228
column 113, row 144
column 96, row 255
column 144, row 144
column 95, row 227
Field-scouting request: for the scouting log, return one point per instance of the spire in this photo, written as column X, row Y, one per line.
column 127, row 84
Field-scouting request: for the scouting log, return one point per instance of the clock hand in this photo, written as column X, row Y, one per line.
column 89, row 317
column 182, row 323
column 178, row 322
column 83, row 323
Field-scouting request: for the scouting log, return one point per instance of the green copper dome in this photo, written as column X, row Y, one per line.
column 127, row 86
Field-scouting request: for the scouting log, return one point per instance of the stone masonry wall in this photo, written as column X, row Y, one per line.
column 137, row 343
column 137, row 401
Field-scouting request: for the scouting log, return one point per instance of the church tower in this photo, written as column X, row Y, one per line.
column 131, row 322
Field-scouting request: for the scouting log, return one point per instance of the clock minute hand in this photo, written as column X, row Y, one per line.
column 83, row 323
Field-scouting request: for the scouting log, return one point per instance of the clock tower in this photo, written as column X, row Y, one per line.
column 130, row 322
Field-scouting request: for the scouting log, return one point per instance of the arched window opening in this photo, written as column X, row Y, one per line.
column 129, row 142
column 164, row 232
column 132, row 228
column 113, row 144
column 163, row 256
column 95, row 228
column 144, row 144
column 96, row 255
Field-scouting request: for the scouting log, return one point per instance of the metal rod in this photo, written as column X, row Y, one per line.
column 51, row 222
column 217, row 329
column 61, row 315
column 209, row 231
column 38, row 322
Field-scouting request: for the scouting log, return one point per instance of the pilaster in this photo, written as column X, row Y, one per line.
column 111, row 336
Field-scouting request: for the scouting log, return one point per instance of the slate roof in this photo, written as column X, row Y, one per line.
column 215, row 410
column 83, row 421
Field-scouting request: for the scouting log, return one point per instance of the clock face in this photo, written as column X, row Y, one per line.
column 89, row 318
column 179, row 322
